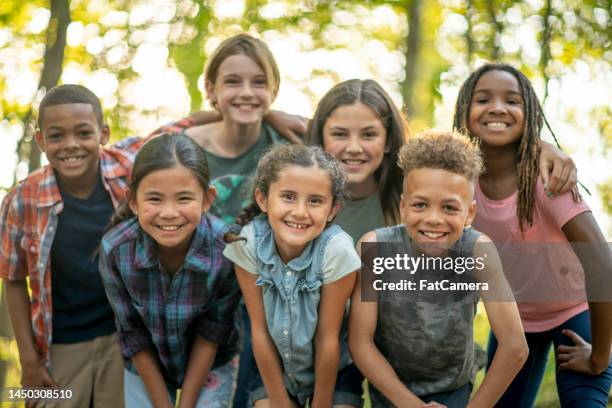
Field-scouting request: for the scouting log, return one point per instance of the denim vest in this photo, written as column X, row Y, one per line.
column 291, row 294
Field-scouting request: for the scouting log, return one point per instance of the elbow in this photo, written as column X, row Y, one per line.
column 518, row 351
column 327, row 344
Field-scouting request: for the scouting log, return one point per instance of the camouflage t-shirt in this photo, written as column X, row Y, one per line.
column 428, row 339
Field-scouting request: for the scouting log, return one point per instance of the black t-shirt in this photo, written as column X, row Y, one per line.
column 81, row 310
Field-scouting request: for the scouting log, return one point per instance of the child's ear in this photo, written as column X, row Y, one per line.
column 210, row 92
column 471, row 214
column 209, row 198
column 40, row 140
column 104, row 134
column 131, row 200
column 262, row 200
column 334, row 210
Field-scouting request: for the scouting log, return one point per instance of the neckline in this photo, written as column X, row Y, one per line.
column 502, row 201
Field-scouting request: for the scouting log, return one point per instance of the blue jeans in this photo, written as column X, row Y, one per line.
column 247, row 371
column 347, row 391
column 575, row 389
column 216, row 393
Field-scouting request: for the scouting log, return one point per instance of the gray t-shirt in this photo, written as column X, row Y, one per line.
column 429, row 344
column 360, row 216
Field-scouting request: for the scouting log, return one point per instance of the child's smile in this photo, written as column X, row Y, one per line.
column 299, row 205
column 169, row 204
column 496, row 111
column 436, row 205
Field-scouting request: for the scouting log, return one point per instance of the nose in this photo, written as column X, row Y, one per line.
column 168, row 211
column 301, row 209
column 246, row 90
column 498, row 107
column 353, row 145
column 433, row 217
column 72, row 142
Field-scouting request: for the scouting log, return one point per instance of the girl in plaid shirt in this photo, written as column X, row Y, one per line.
column 173, row 293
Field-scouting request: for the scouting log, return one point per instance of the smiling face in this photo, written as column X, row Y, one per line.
column 169, row 204
column 356, row 136
column 241, row 90
column 436, row 205
column 299, row 205
column 496, row 111
column 71, row 139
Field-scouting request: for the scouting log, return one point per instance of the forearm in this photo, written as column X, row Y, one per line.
column 375, row 367
column 327, row 358
column 507, row 362
column 269, row 366
column 201, row 360
column 18, row 302
column 148, row 369
column 601, row 323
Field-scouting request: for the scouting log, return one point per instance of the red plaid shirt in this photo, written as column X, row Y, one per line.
column 29, row 217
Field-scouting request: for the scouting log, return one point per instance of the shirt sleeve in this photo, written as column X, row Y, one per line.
column 131, row 329
column 561, row 208
column 216, row 324
column 242, row 252
column 12, row 257
column 340, row 258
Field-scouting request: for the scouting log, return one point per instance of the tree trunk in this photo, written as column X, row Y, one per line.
column 469, row 40
column 498, row 29
column 413, row 41
column 545, row 47
column 52, row 69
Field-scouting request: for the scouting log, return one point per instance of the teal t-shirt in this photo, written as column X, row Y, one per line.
column 360, row 216
column 233, row 177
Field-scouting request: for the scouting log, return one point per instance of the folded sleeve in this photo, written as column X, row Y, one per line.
column 340, row 258
column 242, row 252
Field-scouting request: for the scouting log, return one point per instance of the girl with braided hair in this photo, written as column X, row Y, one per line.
column 498, row 105
column 296, row 271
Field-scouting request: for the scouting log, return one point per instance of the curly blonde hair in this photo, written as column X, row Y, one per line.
column 446, row 150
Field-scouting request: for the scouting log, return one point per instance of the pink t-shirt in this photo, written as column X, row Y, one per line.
column 545, row 275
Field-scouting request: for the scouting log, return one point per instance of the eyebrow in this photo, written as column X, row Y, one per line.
column 369, row 127
column 488, row 90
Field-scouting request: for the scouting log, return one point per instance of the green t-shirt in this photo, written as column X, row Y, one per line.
column 360, row 216
column 233, row 178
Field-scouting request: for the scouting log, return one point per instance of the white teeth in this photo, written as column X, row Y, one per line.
column 168, row 227
column 353, row 162
column 296, row 226
column 72, row 159
column 433, row 235
column 496, row 125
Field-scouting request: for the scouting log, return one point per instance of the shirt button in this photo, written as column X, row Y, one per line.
column 51, row 228
column 287, row 355
column 41, row 265
column 289, row 273
column 33, row 248
column 286, row 332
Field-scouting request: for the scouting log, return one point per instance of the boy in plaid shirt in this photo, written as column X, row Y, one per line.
column 52, row 223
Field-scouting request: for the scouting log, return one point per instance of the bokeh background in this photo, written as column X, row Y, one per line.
column 144, row 59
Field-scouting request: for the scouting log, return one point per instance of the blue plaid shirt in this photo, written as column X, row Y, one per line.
column 162, row 312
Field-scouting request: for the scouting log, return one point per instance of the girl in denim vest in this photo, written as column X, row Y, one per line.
column 296, row 272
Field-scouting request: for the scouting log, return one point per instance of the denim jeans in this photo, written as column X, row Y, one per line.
column 575, row 389
column 217, row 393
column 247, row 372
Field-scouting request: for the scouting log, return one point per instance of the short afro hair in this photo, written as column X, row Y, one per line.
column 446, row 150
column 70, row 93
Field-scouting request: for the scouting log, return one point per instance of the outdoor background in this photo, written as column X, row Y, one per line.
column 144, row 59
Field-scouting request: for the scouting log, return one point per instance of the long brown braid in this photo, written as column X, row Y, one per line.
column 530, row 144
